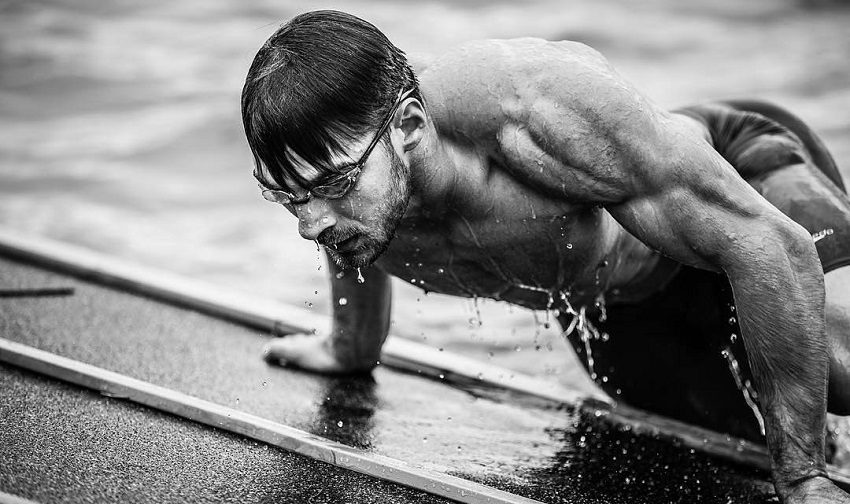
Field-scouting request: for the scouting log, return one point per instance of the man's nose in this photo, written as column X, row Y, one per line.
column 314, row 218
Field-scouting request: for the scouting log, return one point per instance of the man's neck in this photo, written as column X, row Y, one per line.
column 433, row 176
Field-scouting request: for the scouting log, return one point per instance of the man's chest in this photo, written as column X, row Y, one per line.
column 522, row 250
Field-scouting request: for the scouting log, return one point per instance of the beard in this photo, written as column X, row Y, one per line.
column 375, row 238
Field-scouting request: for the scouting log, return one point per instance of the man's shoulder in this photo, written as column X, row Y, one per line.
column 498, row 81
column 500, row 58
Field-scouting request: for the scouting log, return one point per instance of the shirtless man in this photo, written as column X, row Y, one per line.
column 530, row 172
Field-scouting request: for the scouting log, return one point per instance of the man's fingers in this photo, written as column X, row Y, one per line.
column 280, row 351
column 303, row 351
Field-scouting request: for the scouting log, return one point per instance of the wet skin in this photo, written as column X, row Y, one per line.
column 535, row 170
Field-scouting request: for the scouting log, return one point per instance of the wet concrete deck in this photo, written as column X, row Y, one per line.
column 54, row 433
column 61, row 443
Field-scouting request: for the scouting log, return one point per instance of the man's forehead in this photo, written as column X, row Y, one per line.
column 264, row 177
column 304, row 170
column 312, row 173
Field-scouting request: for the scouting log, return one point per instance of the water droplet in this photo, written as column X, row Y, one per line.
column 569, row 246
column 237, row 400
column 517, row 348
column 360, row 278
column 343, row 301
column 480, row 376
column 265, row 384
column 424, row 440
column 441, row 271
column 733, row 338
column 442, row 376
column 339, row 424
column 732, row 320
column 490, row 355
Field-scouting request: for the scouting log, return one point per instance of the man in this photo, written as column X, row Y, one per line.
column 530, row 172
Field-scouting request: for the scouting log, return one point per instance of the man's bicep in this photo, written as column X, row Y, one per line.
column 690, row 204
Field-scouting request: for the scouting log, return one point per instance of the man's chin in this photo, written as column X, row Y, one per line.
column 358, row 258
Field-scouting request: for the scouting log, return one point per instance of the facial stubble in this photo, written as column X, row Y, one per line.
column 374, row 240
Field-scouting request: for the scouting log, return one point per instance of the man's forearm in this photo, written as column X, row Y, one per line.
column 361, row 316
column 780, row 302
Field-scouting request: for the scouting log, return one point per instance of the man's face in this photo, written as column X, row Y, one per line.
column 376, row 206
column 357, row 228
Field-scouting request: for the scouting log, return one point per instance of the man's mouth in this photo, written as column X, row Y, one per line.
column 343, row 245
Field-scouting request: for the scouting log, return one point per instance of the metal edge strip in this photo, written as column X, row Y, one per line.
column 119, row 386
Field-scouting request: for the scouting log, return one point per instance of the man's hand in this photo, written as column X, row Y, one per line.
column 818, row 490
column 304, row 351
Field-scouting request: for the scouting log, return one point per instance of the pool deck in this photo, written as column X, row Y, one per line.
column 60, row 441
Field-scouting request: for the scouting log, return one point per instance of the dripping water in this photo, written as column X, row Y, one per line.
column 745, row 386
column 585, row 329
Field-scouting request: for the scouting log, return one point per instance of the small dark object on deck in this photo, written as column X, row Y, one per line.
column 37, row 292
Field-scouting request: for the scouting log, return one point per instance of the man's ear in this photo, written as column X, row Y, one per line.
column 411, row 120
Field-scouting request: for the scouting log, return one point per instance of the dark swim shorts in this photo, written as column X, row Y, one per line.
column 758, row 138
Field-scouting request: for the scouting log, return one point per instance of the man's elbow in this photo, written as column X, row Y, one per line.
column 774, row 245
column 798, row 246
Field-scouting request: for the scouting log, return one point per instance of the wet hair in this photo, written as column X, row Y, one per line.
column 322, row 79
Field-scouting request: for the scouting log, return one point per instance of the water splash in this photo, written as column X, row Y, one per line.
column 475, row 306
column 360, row 278
column 602, row 307
column 585, row 329
column 745, row 386
column 547, row 323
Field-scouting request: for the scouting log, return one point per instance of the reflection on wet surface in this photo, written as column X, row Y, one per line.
column 346, row 411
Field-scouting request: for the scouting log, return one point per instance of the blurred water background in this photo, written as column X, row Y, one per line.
column 120, row 128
